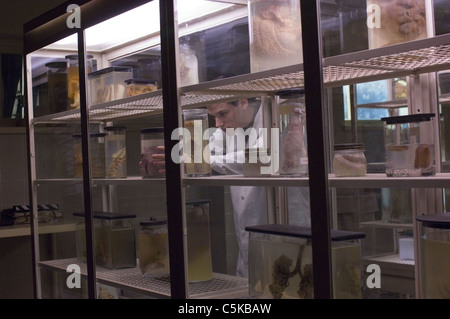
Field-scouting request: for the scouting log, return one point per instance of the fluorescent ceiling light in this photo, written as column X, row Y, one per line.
column 137, row 23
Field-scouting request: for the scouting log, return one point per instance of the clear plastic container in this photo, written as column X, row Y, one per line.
column 57, row 86
column 293, row 145
column 150, row 69
column 108, row 84
column 188, row 66
column 73, row 80
column 97, row 145
column 153, row 247
column 349, row 160
column 151, row 139
column 197, row 161
column 139, row 86
column 391, row 22
column 287, row 270
column 406, row 245
column 409, row 143
column 114, row 240
column 77, row 156
column 275, row 34
column 198, row 240
column 434, row 255
column 115, row 152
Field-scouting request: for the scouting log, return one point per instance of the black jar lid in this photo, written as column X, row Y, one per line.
column 78, row 135
column 97, row 134
column 110, row 70
column 139, row 81
column 152, row 130
column 198, row 202
column 441, row 220
column 56, row 65
column 115, row 128
column 152, row 221
column 422, row 117
column 302, row 232
column 348, row 146
column 75, row 56
column 290, row 93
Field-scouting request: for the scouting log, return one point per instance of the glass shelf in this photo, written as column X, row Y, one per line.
column 131, row 279
column 441, row 180
column 399, row 60
column 101, row 181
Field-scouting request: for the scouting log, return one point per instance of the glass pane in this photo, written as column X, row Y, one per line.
column 57, row 188
column 126, row 128
column 385, row 217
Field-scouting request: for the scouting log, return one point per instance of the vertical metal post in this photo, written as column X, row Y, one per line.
column 318, row 170
column 35, row 253
column 87, row 195
column 169, row 38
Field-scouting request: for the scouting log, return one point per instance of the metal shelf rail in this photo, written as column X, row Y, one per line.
column 398, row 60
column 131, row 279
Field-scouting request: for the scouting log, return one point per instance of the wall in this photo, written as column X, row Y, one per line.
column 15, row 252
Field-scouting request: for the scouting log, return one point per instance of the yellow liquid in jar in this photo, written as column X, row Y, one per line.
column 435, row 268
column 73, row 87
column 199, row 244
column 203, row 168
column 154, row 253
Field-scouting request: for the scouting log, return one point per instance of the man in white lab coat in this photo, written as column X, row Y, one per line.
column 249, row 202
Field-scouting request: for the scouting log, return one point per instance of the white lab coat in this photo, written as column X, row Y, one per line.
column 249, row 202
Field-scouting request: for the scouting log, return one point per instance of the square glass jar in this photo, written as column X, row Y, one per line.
column 114, row 240
column 409, row 144
column 287, row 270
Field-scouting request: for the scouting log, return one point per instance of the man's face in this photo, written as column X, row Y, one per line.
column 225, row 115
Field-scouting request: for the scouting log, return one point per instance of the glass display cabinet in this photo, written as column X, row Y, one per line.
column 108, row 98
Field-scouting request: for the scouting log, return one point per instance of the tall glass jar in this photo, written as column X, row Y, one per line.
column 152, row 142
column 115, row 152
column 73, row 80
column 97, row 146
column 188, row 66
column 391, row 21
column 153, row 247
column 434, row 255
column 293, row 145
column 196, row 150
column 198, row 240
column 77, row 156
column 349, row 160
column 275, row 34
column 57, row 86
column 150, row 69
